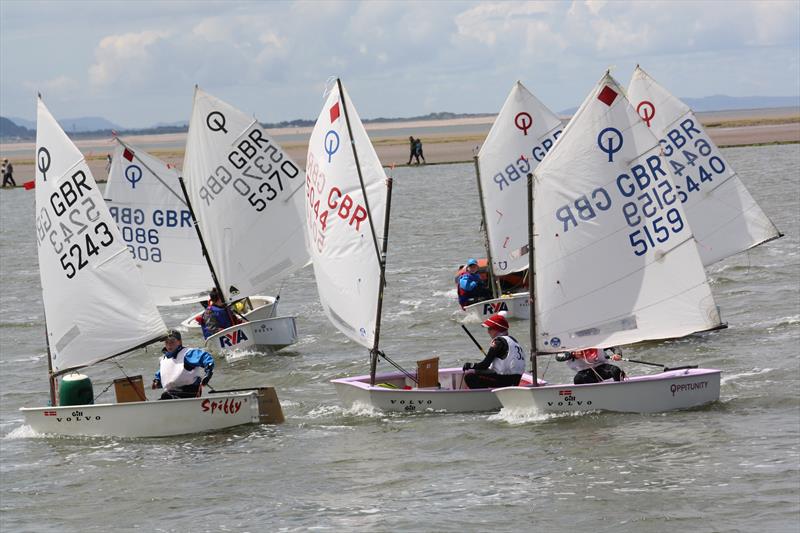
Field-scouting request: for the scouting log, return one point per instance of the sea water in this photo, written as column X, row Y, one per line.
column 730, row 466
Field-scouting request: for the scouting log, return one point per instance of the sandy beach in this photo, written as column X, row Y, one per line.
column 444, row 141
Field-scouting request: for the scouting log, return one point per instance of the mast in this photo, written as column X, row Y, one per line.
column 203, row 245
column 381, row 253
column 532, row 283
column 373, row 360
column 50, row 375
column 493, row 282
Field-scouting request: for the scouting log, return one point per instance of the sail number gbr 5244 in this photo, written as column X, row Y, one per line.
column 74, row 229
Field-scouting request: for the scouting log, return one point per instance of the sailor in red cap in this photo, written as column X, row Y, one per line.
column 504, row 362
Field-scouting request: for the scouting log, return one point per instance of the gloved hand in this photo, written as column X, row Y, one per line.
column 467, row 366
column 207, row 378
column 563, row 357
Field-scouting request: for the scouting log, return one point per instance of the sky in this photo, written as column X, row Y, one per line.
column 135, row 63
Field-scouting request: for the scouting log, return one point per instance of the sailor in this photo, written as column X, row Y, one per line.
column 471, row 288
column 504, row 362
column 590, row 365
column 216, row 317
column 182, row 370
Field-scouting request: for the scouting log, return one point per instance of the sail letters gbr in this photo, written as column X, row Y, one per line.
column 256, row 168
column 71, row 223
column 323, row 203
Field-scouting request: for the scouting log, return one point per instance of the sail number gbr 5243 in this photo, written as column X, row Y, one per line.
column 74, row 228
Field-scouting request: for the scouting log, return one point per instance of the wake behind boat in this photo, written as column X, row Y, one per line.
column 97, row 308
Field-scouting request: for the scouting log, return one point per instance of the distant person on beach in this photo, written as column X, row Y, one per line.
column 182, row 371
column 591, row 366
column 418, row 151
column 108, row 164
column 471, row 288
column 216, row 317
column 504, row 363
column 8, row 174
column 412, row 149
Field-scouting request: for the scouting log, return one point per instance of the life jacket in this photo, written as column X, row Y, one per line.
column 174, row 375
column 514, row 362
column 588, row 358
column 463, row 294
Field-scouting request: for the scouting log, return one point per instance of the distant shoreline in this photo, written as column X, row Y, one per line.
column 444, row 141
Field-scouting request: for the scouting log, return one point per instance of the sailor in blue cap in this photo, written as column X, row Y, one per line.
column 471, row 288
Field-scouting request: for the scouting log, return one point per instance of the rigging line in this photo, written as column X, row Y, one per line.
column 128, row 147
column 397, row 366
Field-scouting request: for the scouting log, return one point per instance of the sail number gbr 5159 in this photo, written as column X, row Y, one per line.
column 74, row 229
column 649, row 204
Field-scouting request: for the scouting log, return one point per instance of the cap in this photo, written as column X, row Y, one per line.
column 471, row 262
column 496, row 321
column 175, row 334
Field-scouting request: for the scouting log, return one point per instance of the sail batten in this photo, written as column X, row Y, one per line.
column 724, row 216
column 616, row 261
column 96, row 304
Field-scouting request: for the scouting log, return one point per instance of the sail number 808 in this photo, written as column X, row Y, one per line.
column 656, row 230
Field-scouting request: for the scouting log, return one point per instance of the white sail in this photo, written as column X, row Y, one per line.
column 146, row 201
column 615, row 259
column 341, row 239
column 244, row 190
column 96, row 305
column 524, row 131
column 724, row 217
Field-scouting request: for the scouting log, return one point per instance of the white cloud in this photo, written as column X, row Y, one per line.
column 56, row 86
column 124, row 56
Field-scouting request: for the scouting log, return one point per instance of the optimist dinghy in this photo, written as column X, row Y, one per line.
column 523, row 133
column 349, row 198
column 145, row 199
column 613, row 261
column 242, row 189
column 97, row 308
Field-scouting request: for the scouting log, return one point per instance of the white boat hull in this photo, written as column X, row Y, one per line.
column 263, row 307
column 147, row 419
column 266, row 335
column 515, row 305
column 675, row 389
column 452, row 397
